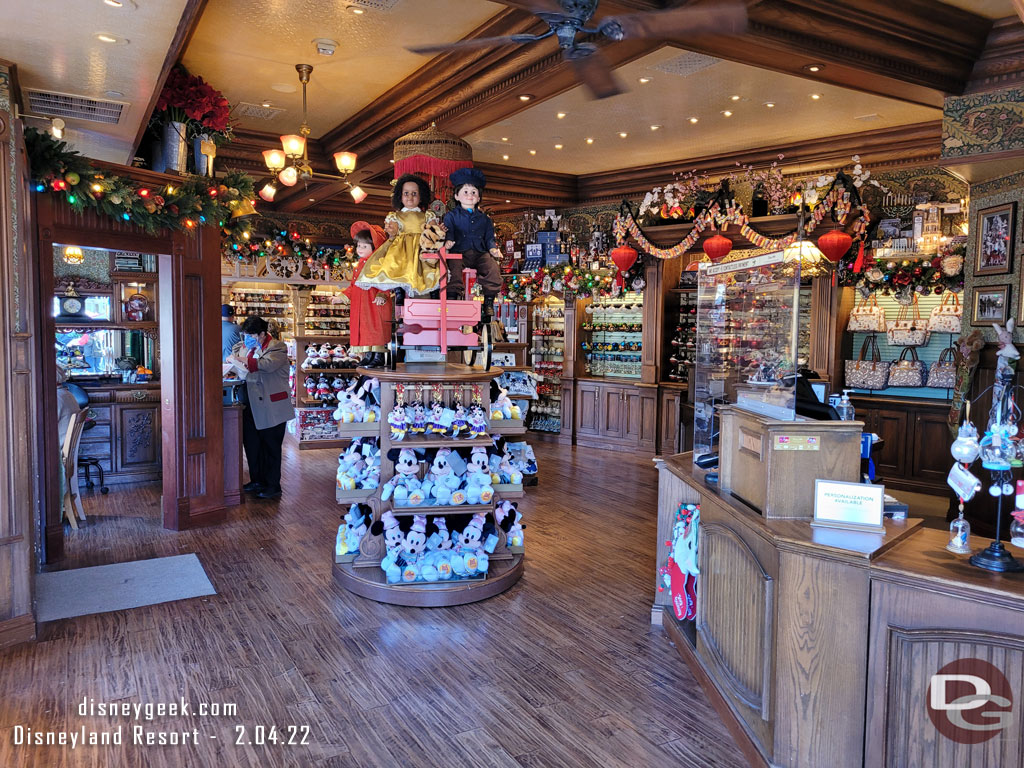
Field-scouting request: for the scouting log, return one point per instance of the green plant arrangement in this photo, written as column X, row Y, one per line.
column 195, row 201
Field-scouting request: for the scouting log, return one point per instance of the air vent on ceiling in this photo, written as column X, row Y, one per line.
column 373, row 5
column 51, row 104
column 256, row 111
column 686, row 64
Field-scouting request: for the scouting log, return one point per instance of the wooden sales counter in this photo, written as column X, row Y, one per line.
column 817, row 647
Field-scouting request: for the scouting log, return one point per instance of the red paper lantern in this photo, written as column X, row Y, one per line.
column 717, row 248
column 834, row 244
column 624, row 257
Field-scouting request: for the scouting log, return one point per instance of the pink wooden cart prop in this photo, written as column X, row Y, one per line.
column 438, row 323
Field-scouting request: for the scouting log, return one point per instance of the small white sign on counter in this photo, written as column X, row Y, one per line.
column 850, row 506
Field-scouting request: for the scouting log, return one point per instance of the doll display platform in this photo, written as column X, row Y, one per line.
column 362, row 572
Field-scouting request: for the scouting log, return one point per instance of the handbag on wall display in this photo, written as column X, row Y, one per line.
column 868, row 316
column 946, row 318
column 942, row 373
column 907, row 331
column 907, row 373
column 867, row 374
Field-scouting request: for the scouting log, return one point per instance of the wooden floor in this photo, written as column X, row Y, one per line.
column 563, row 669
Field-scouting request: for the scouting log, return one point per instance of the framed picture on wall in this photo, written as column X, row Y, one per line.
column 993, row 251
column 991, row 305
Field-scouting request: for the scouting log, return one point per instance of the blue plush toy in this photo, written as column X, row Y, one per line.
column 502, row 470
column 393, row 538
column 479, row 488
column 351, row 532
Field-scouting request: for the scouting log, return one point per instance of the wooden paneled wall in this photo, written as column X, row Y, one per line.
column 19, row 498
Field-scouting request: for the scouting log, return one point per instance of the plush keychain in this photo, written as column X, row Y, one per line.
column 477, row 421
column 419, row 420
column 397, row 418
column 435, row 424
column 459, row 423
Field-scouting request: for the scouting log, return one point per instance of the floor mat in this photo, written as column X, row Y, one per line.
column 103, row 588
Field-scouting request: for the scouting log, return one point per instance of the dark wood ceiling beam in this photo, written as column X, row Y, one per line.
column 186, row 28
column 1002, row 63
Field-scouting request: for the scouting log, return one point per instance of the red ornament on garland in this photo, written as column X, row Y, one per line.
column 717, row 248
column 835, row 244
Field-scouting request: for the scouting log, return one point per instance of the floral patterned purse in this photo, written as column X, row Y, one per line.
column 946, row 318
column 868, row 316
column 907, row 373
column 906, row 331
column 867, row 374
column 942, row 374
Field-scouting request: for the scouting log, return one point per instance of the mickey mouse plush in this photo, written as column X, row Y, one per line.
column 393, row 538
column 445, row 477
column 405, row 485
column 502, row 470
column 351, row 531
column 479, row 489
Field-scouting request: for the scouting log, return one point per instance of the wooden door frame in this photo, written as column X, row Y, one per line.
column 190, row 389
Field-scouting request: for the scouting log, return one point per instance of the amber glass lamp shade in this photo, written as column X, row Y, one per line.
column 346, row 161
column 357, row 194
column 293, row 145
column 274, row 158
column 289, row 176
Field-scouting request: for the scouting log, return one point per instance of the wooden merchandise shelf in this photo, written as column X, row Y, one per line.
column 362, row 574
column 338, row 435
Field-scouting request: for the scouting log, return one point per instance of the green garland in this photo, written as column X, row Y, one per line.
column 196, row 201
column 901, row 277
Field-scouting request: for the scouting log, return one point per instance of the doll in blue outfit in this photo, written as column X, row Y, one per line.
column 471, row 233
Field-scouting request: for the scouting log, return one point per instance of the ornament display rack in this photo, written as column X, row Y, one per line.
column 314, row 426
column 547, row 352
column 361, row 572
column 612, row 336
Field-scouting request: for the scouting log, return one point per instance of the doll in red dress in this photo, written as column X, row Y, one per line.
column 370, row 309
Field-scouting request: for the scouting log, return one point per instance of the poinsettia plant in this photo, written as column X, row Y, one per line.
column 191, row 100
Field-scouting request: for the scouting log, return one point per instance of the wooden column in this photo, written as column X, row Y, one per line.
column 192, row 415
column 19, row 498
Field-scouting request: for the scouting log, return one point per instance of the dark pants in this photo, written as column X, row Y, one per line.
column 262, row 451
column 488, row 274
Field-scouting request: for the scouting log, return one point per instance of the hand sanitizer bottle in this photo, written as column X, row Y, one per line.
column 845, row 407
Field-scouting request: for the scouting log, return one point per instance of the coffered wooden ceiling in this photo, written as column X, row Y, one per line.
column 895, row 60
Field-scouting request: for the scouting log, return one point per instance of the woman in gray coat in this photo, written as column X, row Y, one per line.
column 263, row 362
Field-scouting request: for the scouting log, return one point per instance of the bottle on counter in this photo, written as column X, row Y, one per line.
column 845, row 407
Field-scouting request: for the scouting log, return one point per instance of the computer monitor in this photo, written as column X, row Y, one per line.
column 808, row 403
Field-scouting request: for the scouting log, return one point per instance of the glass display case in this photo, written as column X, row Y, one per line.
column 613, row 334
column 89, row 352
column 748, row 334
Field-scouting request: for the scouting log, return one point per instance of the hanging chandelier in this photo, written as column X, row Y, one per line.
column 290, row 164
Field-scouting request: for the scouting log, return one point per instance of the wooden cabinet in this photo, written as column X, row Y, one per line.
column 126, row 436
column 915, row 456
column 616, row 415
column 136, row 441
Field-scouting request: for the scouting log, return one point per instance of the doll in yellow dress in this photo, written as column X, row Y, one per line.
column 397, row 263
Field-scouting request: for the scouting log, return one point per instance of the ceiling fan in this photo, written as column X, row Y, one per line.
column 568, row 19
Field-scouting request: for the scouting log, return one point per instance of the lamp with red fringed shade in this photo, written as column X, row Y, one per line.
column 717, row 248
column 835, row 244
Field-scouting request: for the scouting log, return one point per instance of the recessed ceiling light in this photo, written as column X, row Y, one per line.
column 655, row 127
column 623, row 134
column 392, row 161
column 769, row 104
column 815, row 96
column 560, row 115
column 735, row 97
column 504, row 157
column 312, row 199
column 508, row 201
column 533, row 151
column 114, row 3
column 693, row 119
column 727, row 113
column 114, row 94
column 558, row 146
column 814, row 67
column 645, row 80
column 356, row 10
column 105, row 37
column 504, row 138
column 525, row 96
column 265, row 104
column 590, row 141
